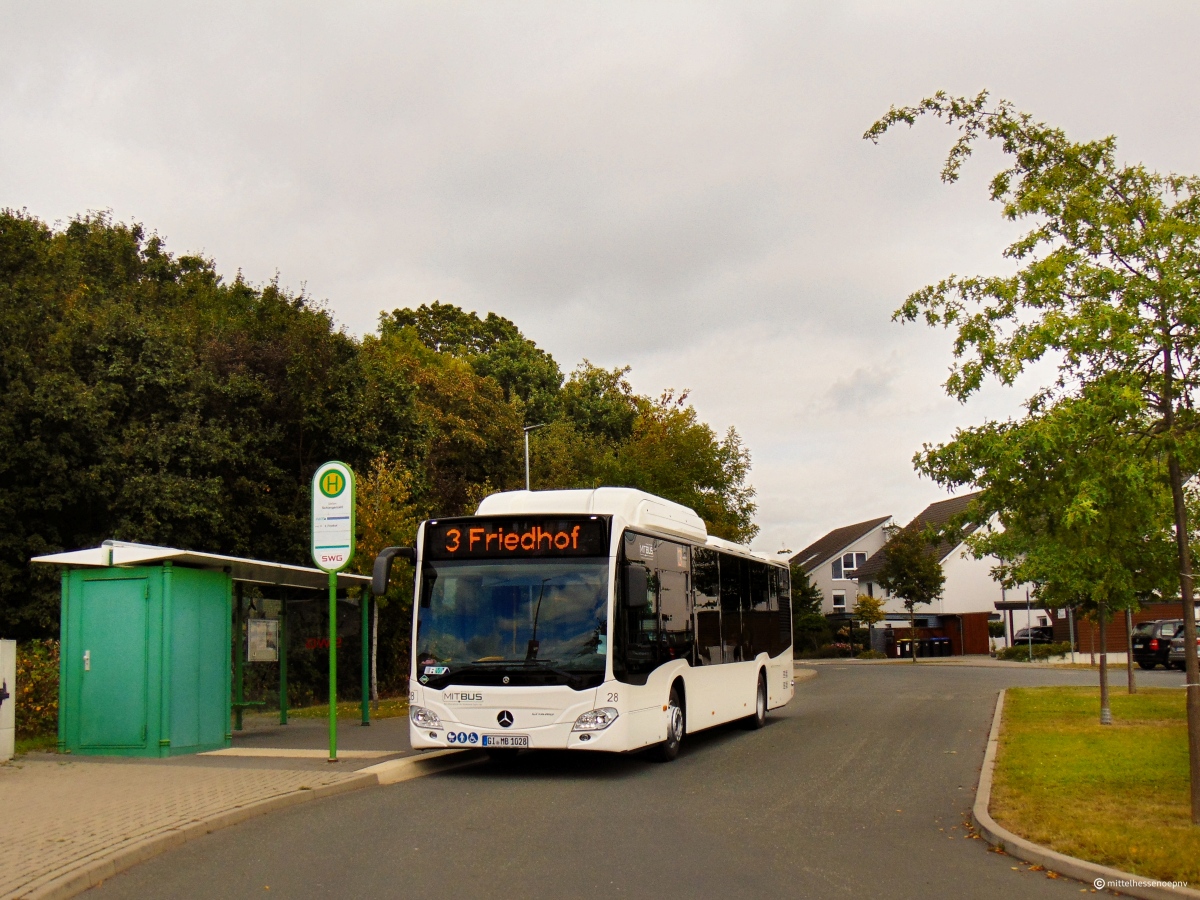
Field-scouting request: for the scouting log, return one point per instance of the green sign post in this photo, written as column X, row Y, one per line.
column 332, row 550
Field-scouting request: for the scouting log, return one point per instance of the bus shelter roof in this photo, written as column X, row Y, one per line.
column 252, row 571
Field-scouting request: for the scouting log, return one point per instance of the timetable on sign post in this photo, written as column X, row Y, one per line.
column 333, row 517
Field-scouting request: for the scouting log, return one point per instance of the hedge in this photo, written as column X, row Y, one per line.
column 37, row 688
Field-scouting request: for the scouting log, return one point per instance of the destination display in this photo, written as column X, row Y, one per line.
column 527, row 537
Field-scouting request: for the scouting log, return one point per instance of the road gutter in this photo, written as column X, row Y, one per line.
column 1079, row 869
column 90, row 873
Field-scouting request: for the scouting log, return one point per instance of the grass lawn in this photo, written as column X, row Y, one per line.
column 389, row 708
column 1116, row 795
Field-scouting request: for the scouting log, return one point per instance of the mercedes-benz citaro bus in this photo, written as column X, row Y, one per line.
column 601, row 619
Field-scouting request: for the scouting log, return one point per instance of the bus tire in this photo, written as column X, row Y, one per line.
column 676, row 727
column 759, row 717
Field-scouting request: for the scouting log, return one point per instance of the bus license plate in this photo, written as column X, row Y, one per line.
column 506, row 740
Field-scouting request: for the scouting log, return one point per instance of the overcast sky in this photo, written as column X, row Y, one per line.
column 681, row 187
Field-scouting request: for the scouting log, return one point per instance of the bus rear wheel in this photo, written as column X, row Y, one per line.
column 669, row 749
column 759, row 717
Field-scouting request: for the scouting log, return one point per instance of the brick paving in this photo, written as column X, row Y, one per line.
column 59, row 815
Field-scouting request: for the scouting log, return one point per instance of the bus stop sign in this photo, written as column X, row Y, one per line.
column 333, row 517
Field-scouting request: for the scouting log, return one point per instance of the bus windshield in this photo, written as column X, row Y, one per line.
column 518, row 622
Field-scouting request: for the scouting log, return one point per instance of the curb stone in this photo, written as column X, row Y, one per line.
column 1079, row 869
column 77, row 879
column 799, row 675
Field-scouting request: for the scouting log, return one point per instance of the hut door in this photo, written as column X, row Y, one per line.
column 112, row 696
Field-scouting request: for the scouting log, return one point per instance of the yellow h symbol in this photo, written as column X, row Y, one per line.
column 332, row 483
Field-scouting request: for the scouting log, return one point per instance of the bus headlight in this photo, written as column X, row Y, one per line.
column 423, row 718
column 595, row 719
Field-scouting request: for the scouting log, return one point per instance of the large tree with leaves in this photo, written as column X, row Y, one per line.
column 1107, row 285
column 912, row 572
column 1067, row 503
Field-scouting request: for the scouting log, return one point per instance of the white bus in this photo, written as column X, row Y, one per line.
column 601, row 619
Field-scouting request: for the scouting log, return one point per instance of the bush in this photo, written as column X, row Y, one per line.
column 871, row 654
column 1020, row 653
column 996, row 629
column 37, row 688
column 826, row 651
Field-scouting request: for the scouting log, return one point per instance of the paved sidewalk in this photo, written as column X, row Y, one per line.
column 61, row 814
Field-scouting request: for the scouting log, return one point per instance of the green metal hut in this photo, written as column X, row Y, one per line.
column 146, row 643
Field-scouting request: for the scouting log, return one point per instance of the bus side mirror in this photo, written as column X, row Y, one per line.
column 383, row 567
column 636, row 585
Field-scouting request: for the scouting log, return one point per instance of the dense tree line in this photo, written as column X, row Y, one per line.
column 145, row 398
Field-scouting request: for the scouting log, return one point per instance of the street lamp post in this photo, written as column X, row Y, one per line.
column 527, row 429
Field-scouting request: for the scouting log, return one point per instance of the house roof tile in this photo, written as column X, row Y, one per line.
column 934, row 514
column 823, row 549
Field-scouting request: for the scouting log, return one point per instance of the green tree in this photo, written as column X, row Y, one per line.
column 869, row 610
column 1106, row 286
column 600, row 402
column 609, row 435
column 912, row 572
column 494, row 347
column 146, row 399
column 806, row 596
column 810, row 629
column 1070, row 505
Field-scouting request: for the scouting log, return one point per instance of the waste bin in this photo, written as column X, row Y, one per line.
column 944, row 647
column 903, row 648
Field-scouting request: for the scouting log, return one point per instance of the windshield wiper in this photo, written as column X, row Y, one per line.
column 511, row 663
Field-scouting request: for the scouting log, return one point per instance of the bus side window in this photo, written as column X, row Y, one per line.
column 707, row 583
column 675, row 615
column 784, row 585
column 732, row 578
column 761, row 628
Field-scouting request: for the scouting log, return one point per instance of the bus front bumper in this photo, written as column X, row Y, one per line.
column 558, row 736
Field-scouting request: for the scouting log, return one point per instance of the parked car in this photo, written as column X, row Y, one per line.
column 1038, row 634
column 1175, row 655
column 1152, row 641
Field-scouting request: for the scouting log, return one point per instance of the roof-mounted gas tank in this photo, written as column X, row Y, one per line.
column 637, row 508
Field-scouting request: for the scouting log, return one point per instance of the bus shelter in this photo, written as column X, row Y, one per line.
column 146, row 637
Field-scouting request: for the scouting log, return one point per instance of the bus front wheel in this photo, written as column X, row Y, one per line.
column 669, row 749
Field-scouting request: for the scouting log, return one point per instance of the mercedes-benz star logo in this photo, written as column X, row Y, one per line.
column 504, row 718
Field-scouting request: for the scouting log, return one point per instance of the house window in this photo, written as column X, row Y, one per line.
column 848, row 564
column 870, row 589
column 839, row 601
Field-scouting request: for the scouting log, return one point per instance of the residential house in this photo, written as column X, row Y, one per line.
column 969, row 597
column 832, row 562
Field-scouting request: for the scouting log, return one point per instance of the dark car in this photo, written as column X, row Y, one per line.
column 1175, row 659
column 1152, row 641
column 1038, row 634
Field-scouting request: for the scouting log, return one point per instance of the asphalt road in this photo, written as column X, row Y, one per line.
column 860, row 787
